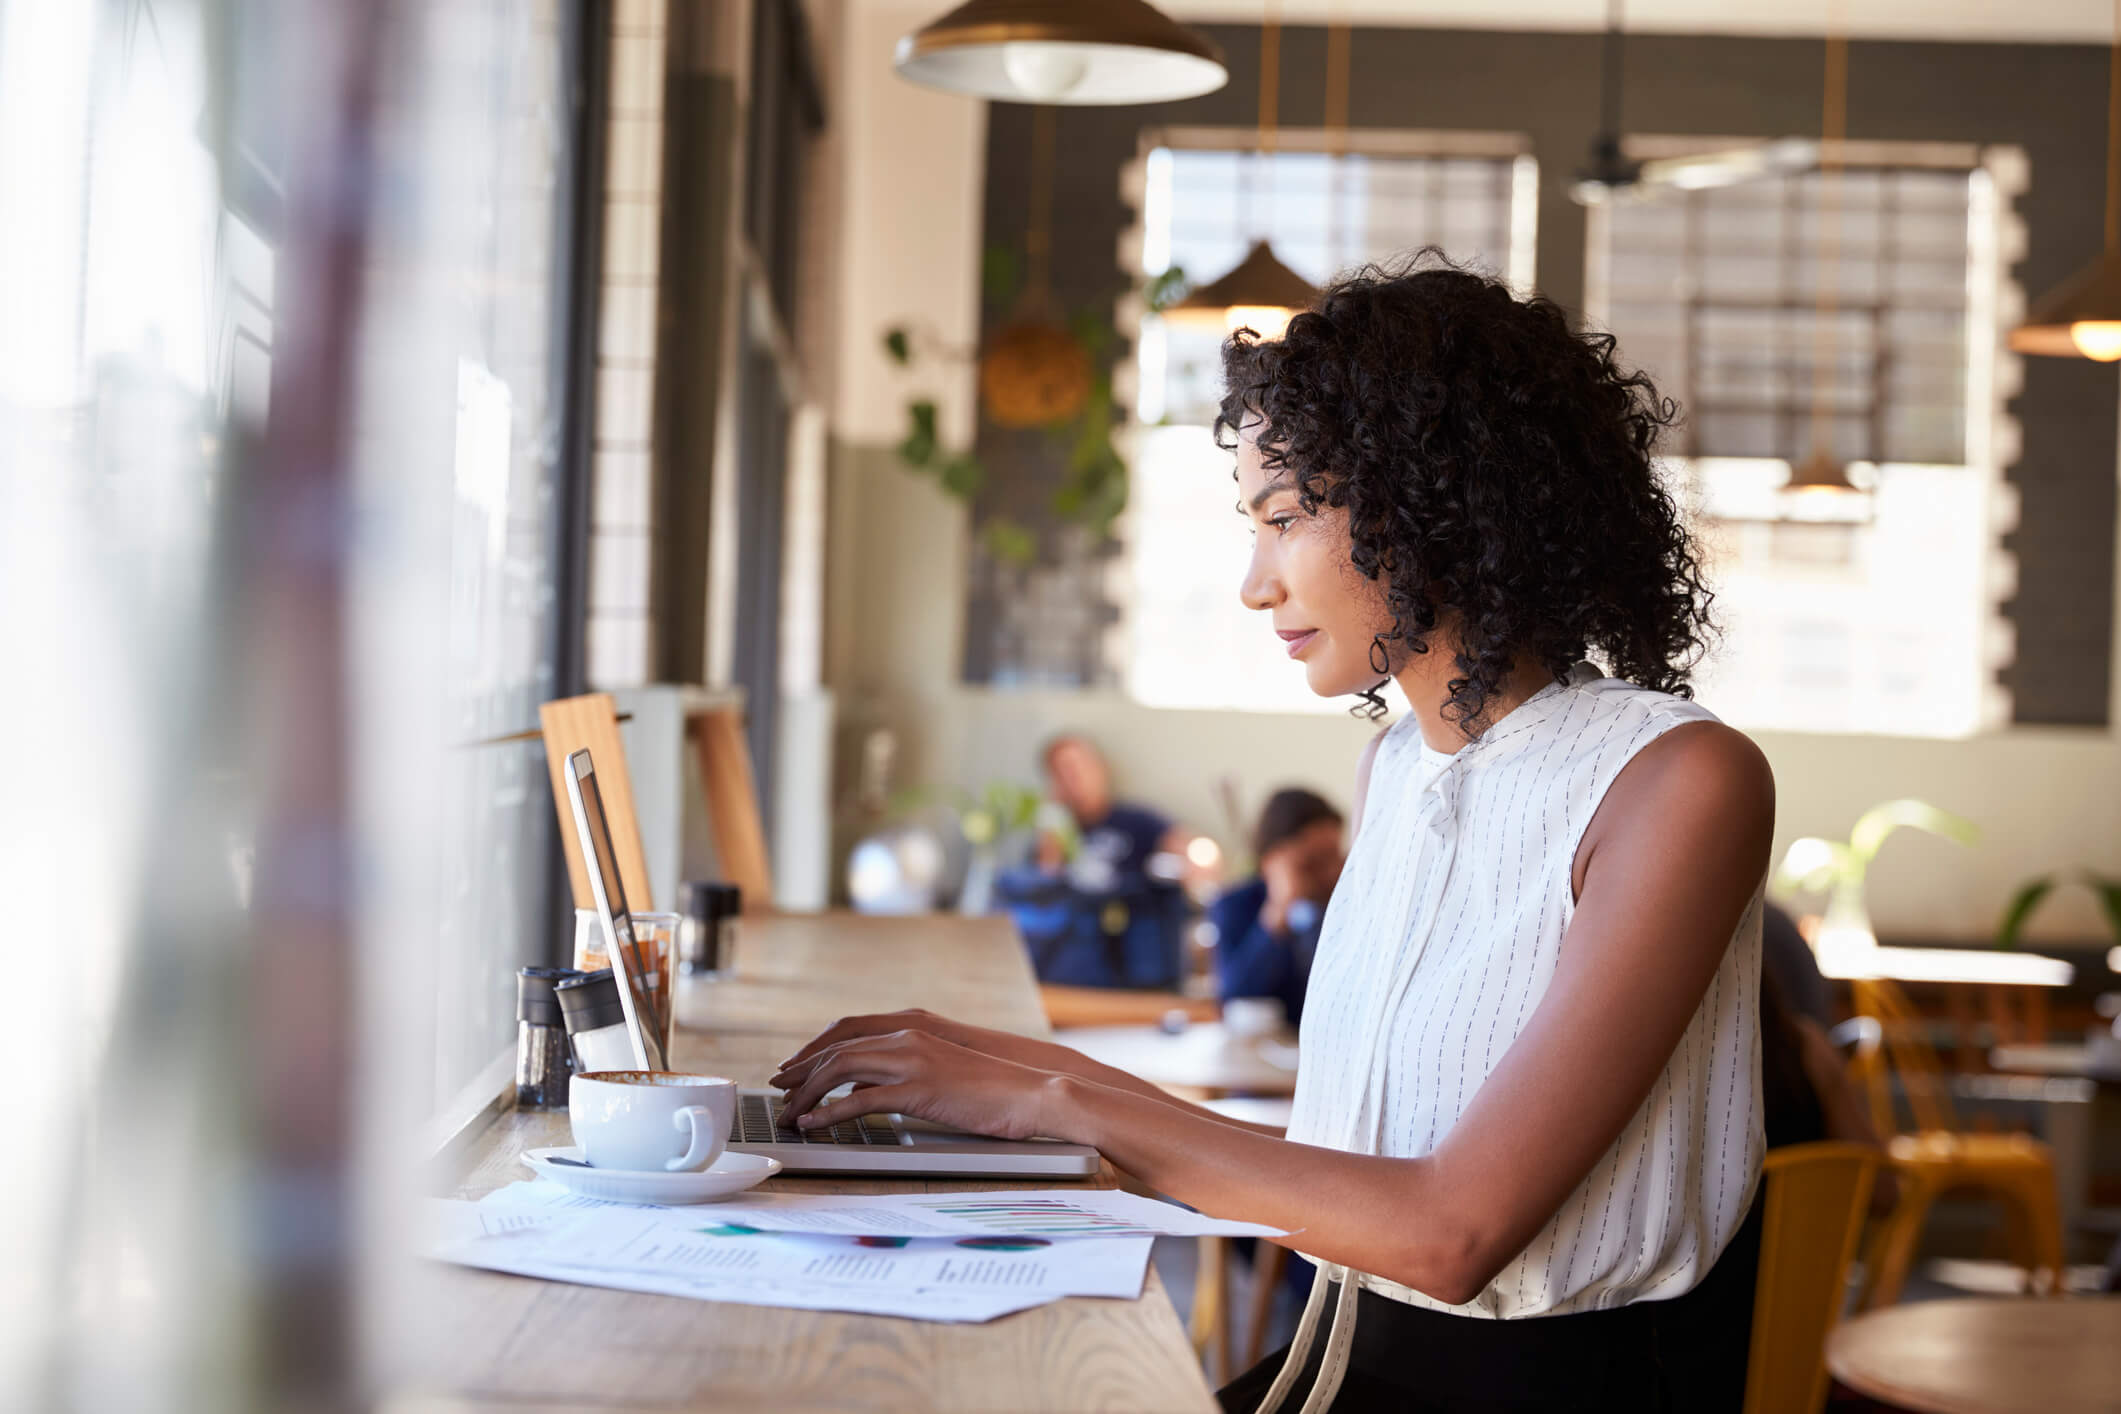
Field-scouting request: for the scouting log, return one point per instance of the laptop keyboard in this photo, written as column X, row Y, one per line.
column 756, row 1123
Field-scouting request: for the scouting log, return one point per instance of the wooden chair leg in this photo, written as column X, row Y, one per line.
column 1269, row 1261
column 1892, row 1251
column 2040, row 1223
column 1211, row 1306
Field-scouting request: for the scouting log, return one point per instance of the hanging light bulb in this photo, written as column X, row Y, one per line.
column 1045, row 73
column 1259, row 293
column 1062, row 51
column 2081, row 318
column 2097, row 338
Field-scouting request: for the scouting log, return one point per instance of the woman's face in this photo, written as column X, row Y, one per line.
column 1324, row 611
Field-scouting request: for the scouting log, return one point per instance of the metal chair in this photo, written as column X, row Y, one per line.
column 1816, row 1198
column 1937, row 1156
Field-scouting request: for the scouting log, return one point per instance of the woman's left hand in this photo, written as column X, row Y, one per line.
column 918, row 1073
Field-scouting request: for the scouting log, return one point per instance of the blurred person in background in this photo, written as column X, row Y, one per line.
column 1266, row 929
column 1104, row 902
column 1119, row 843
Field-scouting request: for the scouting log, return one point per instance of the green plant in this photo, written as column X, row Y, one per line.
column 2033, row 892
column 1094, row 483
column 1837, row 868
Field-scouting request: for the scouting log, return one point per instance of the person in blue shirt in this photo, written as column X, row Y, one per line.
column 1112, row 912
column 1266, row 929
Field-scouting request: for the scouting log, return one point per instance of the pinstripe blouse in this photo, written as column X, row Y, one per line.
column 1441, row 939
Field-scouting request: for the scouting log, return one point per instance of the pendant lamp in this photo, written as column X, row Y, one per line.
column 2081, row 318
column 1062, row 51
column 1259, row 293
column 1819, row 487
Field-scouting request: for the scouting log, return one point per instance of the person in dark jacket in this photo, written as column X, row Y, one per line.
column 1266, row 928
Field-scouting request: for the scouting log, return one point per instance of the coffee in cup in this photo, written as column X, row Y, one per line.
column 650, row 1120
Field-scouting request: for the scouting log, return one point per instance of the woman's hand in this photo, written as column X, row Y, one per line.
column 917, row 1072
column 1004, row 1045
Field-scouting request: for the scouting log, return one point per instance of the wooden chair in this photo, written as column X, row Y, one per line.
column 1937, row 1156
column 570, row 724
column 717, row 735
column 1816, row 1198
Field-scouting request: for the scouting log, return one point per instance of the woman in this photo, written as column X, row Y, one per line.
column 1527, row 1138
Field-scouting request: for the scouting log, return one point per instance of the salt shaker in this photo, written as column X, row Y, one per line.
column 541, row 1039
column 707, row 934
column 596, row 1022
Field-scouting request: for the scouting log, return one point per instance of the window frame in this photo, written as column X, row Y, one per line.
column 1131, row 308
column 1992, row 434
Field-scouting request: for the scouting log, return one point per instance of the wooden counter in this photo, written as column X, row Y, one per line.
column 498, row 1342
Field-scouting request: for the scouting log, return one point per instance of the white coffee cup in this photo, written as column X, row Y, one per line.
column 1248, row 1017
column 650, row 1120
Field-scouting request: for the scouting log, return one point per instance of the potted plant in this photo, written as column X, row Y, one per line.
column 1837, row 869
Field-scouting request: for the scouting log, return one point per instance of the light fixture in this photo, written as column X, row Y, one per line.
column 1612, row 176
column 1062, row 51
column 2081, row 318
column 1259, row 292
column 1819, row 488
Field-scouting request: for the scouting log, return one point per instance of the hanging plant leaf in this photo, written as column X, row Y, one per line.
column 963, row 476
column 899, row 345
column 1092, row 330
column 1009, row 542
column 918, row 448
column 1001, row 270
column 1167, row 288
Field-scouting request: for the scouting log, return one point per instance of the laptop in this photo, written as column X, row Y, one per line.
column 887, row 1145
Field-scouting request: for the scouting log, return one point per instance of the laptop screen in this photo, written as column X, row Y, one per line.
column 629, row 964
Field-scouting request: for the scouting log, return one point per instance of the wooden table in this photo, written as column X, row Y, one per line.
column 1205, row 1058
column 1206, row 1061
column 1985, row 1357
column 495, row 1341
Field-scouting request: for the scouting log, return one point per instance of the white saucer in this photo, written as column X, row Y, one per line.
column 731, row 1173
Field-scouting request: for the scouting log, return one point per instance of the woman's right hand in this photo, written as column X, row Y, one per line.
column 1006, row 1045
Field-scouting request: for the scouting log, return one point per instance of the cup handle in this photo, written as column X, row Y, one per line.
column 700, row 1152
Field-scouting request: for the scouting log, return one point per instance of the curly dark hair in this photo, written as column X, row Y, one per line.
column 1496, row 465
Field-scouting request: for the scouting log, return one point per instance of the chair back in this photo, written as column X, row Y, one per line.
column 1900, row 1048
column 1817, row 1196
column 570, row 724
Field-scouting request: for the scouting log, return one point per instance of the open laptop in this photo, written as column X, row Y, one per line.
column 882, row 1144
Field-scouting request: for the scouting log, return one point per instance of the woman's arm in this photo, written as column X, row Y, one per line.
column 1665, row 871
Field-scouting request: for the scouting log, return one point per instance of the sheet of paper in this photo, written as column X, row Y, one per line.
column 1091, row 1266
column 1059, row 1212
column 517, row 1253
column 972, row 1278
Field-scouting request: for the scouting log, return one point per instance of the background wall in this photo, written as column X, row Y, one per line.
column 2045, row 794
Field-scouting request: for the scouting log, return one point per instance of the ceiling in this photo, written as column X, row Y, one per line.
column 2025, row 21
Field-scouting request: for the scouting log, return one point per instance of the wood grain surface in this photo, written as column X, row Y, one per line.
column 1967, row 1356
column 492, row 1341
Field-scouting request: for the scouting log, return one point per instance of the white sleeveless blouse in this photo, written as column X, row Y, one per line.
column 1439, row 943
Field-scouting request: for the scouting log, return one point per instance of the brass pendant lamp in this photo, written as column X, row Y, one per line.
column 1085, row 52
column 1259, row 293
column 2081, row 318
column 1819, row 487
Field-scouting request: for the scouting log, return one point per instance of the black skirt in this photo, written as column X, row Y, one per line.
column 1686, row 1355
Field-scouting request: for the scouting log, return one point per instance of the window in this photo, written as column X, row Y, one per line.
column 490, row 125
column 1881, row 624
column 1188, row 641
